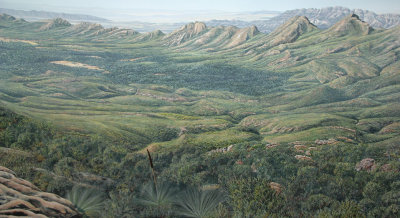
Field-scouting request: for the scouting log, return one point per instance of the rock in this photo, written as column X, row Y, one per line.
column 254, row 168
column 276, row 187
column 367, row 164
column 325, row 142
column 58, row 22
column 19, row 197
column 302, row 157
column 300, row 147
column 268, row 146
column 239, row 162
column 222, row 150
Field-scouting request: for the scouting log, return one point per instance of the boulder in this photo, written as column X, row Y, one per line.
column 300, row 147
column 302, row 157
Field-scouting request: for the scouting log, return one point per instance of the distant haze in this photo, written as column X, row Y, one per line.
column 184, row 10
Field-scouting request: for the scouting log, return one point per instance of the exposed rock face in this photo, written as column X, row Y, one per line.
column 367, row 164
column 19, row 197
column 350, row 25
column 58, row 22
column 292, row 30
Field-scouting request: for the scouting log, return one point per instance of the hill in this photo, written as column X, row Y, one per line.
column 286, row 116
column 41, row 15
column 323, row 18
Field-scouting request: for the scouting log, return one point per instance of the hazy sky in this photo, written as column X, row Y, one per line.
column 381, row 6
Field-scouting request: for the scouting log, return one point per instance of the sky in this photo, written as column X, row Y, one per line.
column 111, row 9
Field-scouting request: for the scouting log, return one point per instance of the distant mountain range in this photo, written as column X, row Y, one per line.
column 323, row 18
column 40, row 15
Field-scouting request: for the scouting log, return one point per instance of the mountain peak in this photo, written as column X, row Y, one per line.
column 157, row 33
column 185, row 33
column 351, row 25
column 9, row 18
column 292, row 30
column 195, row 28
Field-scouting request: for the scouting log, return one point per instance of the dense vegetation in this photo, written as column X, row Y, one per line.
column 286, row 134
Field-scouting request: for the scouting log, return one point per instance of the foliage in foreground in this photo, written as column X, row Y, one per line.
column 199, row 203
column 88, row 201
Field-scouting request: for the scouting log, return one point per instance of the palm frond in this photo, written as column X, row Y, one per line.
column 89, row 201
column 159, row 195
column 195, row 202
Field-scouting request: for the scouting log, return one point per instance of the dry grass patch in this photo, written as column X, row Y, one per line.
column 76, row 64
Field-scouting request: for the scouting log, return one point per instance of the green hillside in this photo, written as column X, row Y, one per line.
column 300, row 107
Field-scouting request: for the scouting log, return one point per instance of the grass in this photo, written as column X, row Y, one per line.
column 213, row 99
column 310, row 135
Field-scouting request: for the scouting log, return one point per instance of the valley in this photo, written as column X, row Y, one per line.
column 300, row 107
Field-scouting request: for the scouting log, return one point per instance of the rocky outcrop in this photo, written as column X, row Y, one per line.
column 222, row 150
column 303, row 157
column 19, row 197
column 367, row 164
column 276, row 187
column 271, row 145
column 325, row 142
